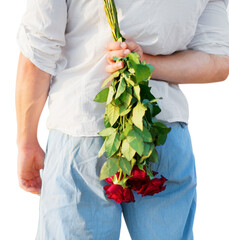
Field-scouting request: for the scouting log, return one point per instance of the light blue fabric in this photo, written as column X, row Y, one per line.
column 73, row 205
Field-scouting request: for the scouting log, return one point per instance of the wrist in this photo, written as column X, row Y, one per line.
column 146, row 57
column 151, row 59
column 27, row 140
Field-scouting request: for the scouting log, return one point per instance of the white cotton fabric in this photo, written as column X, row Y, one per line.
column 67, row 39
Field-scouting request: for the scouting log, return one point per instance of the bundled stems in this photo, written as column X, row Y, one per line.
column 111, row 13
column 131, row 131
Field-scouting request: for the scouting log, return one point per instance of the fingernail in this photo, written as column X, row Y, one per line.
column 126, row 51
column 123, row 45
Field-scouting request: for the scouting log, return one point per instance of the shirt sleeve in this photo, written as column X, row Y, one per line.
column 212, row 32
column 41, row 34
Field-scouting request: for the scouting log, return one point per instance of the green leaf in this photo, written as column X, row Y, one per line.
column 154, row 156
column 122, row 136
column 118, row 102
column 127, row 128
column 133, row 101
column 125, row 165
column 151, row 176
column 131, row 70
column 102, row 149
column 126, row 100
column 119, row 58
column 107, row 131
column 127, row 150
column 151, row 67
column 134, row 57
column 140, row 166
column 121, row 88
column 142, row 73
column 162, row 128
column 109, row 168
column 107, row 80
column 135, row 141
column 146, row 92
column 112, row 113
column 102, row 95
column 122, row 69
column 106, row 121
column 133, row 161
column 137, row 92
column 161, row 139
column 138, row 113
column 126, row 75
column 129, row 90
column 131, row 82
column 149, row 105
column 145, row 134
column 156, row 110
column 125, row 112
column 110, row 94
column 148, row 149
column 112, row 144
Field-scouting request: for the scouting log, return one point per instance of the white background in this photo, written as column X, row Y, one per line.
column 208, row 125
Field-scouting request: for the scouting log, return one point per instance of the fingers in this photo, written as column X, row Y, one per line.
column 114, row 67
column 117, row 49
column 120, row 49
column 132, row 45
column 33, row 190
column 116, row 53
column 31, row 185
column 111, row 46
column 128, row 44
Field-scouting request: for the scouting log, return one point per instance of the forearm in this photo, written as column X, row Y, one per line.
column 189, row 66
column 32, row 86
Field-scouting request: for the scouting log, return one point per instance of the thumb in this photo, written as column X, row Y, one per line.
column 132, row 45
column 40, row 160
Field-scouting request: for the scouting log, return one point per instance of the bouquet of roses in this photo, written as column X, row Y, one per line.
column 131, row 131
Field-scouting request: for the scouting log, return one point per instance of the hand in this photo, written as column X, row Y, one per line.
column 30, row 161
column 121, row 49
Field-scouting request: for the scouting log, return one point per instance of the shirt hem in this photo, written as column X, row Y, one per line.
column 93, row 134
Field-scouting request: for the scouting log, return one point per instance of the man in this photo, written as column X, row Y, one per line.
column 69, row 43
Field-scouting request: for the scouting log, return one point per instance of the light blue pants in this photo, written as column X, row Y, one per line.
column 73, row 205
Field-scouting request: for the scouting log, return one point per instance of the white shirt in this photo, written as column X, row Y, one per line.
column 67, row 39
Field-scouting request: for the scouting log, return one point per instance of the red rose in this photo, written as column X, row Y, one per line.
column 153, row 186
column 128, row 195
column 110, row 179
column 117, row 193
column 139, row 178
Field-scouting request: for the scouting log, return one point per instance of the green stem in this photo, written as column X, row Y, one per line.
column 112, row 17
column 123, row 123
column 114, row 11
column 120, row 173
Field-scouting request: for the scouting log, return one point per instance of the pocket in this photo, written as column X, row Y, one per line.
column 159, row 165
column 85, row 149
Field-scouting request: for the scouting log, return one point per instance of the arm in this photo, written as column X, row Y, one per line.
column 32, row 85
column 205, row 61
column 41, row 36
column 207, row 57
column 189, row 66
